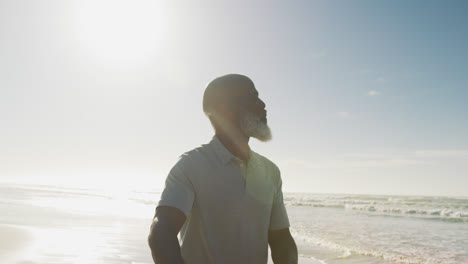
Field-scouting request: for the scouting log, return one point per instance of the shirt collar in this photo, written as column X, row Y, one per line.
column 224, row 154
column 221, row 151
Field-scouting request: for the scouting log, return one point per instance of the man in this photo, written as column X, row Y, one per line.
column 225, row 199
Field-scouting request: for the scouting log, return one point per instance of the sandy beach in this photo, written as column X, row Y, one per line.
column 328, row 229
column 15, row 243
column 302, row 260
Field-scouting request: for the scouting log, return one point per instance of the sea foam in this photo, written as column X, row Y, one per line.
column 441, row 208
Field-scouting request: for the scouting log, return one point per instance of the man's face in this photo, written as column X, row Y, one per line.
column 252, row 114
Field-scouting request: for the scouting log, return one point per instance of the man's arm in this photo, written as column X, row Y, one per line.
column 282, row 245
column 162, row 239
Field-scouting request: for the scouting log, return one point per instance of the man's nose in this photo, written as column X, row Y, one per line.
column 261, row 103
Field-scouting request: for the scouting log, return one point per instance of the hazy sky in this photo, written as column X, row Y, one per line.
column 362, row 96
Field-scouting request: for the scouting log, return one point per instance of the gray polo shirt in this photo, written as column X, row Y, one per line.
column 229, row 205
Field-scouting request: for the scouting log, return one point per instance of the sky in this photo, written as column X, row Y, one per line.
column 363, row 97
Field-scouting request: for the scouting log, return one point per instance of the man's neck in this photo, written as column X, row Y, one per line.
column 237, row 145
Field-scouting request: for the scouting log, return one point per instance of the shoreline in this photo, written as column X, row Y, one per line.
column 301, row 260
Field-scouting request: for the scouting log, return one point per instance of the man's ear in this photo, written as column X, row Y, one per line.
column 225, row 109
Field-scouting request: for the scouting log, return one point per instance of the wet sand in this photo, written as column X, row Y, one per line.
column 308, row 261
column 301, row 260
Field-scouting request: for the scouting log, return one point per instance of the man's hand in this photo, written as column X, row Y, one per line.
column 162, row 239
column 282, row 245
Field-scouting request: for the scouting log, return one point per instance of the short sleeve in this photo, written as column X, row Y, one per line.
column 279, row 217
column 178, row 191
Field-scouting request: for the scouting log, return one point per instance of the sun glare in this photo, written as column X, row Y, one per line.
column 120, row 33
column 70, row 246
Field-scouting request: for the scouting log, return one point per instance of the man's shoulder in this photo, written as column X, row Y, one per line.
column 195, row 157
column 201, row 151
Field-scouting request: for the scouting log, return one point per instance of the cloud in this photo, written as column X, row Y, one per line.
column 381, row 80
column 344, row 114
column 365, row 71
column 373, row 93
column 343, row 162
column 318, row 55
column 450, row 153
column 379, row 159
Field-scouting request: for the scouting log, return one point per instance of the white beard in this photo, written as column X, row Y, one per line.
column 253, row 126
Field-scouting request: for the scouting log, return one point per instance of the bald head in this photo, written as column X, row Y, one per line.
column 232, row 104
column 224, row 89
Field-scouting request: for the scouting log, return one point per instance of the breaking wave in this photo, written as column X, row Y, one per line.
column 433, row 207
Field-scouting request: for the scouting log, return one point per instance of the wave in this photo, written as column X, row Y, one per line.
column 443, row 213
column 442, row 208
column 344, row 252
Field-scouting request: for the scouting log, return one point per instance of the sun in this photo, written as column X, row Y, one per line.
column 120, row 33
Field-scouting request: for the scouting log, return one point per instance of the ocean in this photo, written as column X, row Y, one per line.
column 42, row 224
